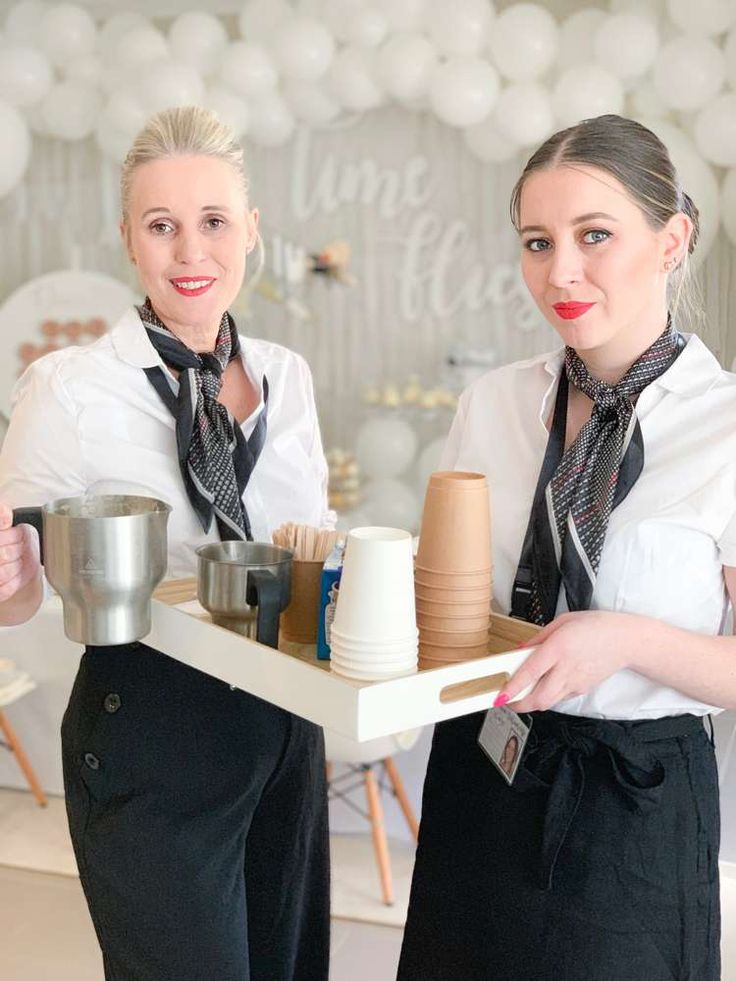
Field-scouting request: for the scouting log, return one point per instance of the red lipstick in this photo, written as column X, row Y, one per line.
column 192, row 285
column 571, row 311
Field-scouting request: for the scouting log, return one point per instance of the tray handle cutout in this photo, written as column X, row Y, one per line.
column 477, row 686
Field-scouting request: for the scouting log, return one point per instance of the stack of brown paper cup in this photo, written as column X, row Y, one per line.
column 452, row 572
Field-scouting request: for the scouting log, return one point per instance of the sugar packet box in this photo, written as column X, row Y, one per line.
column 330, row 584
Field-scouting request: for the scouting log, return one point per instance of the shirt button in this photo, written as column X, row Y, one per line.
column 91, row 760
column 112, row 703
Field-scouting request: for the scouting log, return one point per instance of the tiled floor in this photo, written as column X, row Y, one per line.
column 47, row 935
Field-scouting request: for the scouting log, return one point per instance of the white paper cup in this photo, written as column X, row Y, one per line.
column 375, row 601
column 372, row 676
column 374, row 661
column 373, row 646
column 376, row 665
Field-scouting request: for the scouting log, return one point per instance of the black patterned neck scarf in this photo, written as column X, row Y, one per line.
column 215, row 459
column 579, row 489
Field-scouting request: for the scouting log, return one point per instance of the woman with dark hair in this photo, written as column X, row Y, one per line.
column 612, row 469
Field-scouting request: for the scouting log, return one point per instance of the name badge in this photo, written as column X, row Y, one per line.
column 502, row 738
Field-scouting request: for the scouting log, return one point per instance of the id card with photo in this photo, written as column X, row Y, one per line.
column 502, row 738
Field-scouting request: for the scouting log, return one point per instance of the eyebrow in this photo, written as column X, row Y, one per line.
column 581, row 219
column 167, row 211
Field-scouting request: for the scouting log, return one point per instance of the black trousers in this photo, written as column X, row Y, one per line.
column 199, row 821
column 600, row 863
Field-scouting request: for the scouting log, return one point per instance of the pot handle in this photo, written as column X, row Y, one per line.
column 264, row 591
column 34, row 517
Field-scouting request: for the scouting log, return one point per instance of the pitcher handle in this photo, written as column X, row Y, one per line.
column 34, row 517
column 264, row 591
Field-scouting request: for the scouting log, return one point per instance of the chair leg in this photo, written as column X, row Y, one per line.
column 23, row 761
column 398, row 785
column 380, row 844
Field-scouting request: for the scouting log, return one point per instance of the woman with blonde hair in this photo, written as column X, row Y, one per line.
column 198, row 813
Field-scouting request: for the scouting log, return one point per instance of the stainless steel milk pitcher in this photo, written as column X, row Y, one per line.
column 104, row 555
column 245, row 586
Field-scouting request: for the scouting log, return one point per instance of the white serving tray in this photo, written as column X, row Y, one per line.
column 297, row 681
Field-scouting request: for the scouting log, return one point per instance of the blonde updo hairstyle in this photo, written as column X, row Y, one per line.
column 182, row 132
column 639, row 160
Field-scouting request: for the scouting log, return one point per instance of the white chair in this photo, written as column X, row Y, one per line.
column 14, row 684
column 363, row 759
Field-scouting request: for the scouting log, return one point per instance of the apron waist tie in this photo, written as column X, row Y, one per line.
column 557, row 760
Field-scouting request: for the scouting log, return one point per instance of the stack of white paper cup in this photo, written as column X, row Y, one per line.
column 374, row 634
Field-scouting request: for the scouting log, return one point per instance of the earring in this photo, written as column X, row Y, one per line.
column 670, row 265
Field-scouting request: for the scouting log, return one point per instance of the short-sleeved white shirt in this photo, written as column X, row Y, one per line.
column 87, row 420
column 667, row 541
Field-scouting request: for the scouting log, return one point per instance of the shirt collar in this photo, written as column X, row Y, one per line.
column 130, row 341
column 693, row 373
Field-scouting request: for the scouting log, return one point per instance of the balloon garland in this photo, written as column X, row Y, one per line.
column 505, row 78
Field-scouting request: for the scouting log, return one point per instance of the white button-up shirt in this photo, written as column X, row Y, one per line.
column 667, row 541
column 87, row 420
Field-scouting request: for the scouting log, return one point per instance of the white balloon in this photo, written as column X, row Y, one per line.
column 198, row 39
column 429, row 462
column 696, row 177
column 584, row 92
column 653, row 9
column 715, row 131
column 385, row 447
column 352, row 79
column 645, row 100
column 114, row 28
column 16, row 147
column 576, row 37
column 311, row 102
column 407, row 15
column 463, row 91
column 70, row 110
column 338, row 16
column 391, row 503
column 35, row 119
column 626, row 44
column 124, row 113
column 524, row 41
column 271, row 121
column 703, row 18
column 88, row 68
column 368, row 28
column 458, row 27
column 232, row 109
column 248, row 69
column 524, row 114
column 25, row 75
column 165, row 84
column 22, row 22
column 488, row 143
column 259, row 18
column 66, row 32
column 303, row 48
column 404, row 66
column 728, row 205
column 729, row 53
column 113, row 142
column 689, row 72
column 139, row 46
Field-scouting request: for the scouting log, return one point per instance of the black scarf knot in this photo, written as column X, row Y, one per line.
column 215, row 459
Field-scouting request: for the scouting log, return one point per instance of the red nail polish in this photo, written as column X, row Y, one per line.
column 501, row 700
